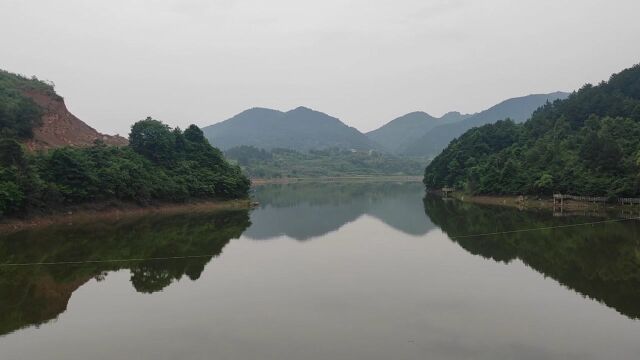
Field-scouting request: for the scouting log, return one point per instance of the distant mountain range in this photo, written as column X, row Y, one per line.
column 519, row 109
column 300, row 129
column 415, row 134
column 401, row 132
column 336, row 203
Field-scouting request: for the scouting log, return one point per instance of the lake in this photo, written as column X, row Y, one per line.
column 327, row 271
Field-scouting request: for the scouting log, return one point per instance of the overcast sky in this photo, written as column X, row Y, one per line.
column 363, row 61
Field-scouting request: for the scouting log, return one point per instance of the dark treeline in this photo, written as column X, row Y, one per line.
column 160, row 163
column 588, row 144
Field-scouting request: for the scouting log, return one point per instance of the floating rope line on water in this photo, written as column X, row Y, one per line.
column 82, row 262
column 544, row 228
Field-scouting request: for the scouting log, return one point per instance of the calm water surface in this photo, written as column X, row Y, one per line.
column 326, row 271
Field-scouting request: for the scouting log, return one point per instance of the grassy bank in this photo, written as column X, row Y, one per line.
column 112, row 211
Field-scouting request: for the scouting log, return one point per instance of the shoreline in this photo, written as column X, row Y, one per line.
column 116, row 210
column 346, row 178
column 82, row 214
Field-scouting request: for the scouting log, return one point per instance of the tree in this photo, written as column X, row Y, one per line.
column 11, row 153
column 194, row 134
column 72, row 172
column 545, row 184
column 153, row 140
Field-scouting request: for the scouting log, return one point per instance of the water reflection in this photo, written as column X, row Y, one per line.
column 374, row 289
column 307, row 210
column 600, row 261
column 31, row 295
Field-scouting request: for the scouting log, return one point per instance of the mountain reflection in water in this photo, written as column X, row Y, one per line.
column 307, row 210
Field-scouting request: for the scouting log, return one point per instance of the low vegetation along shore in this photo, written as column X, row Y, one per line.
column 333, row 162
column 91, row 213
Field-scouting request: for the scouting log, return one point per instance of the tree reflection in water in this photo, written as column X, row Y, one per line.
column 31, row 295
column 600, row 261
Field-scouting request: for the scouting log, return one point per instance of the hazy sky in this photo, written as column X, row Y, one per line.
column 363, row 61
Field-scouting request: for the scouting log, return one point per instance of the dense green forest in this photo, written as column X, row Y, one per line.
column 588, row 144
column 160, row 163
column 277, row 163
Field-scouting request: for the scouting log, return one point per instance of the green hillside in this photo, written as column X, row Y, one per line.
column 587, row 144
column 518, row 109
column 159, row 164
column 280, row 163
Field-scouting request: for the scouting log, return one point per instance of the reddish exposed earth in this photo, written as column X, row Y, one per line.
column 59, row 127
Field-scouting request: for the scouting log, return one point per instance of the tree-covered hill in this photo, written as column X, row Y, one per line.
column 587, row 144
column 299, row 129
column 159, row 164
column 518, row 109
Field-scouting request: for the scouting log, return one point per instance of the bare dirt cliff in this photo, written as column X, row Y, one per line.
column 59, row 127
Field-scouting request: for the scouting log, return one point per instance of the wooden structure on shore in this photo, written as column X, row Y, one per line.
column 447, row 190
column 558, row 199
column 559, row 205
column 630, row 201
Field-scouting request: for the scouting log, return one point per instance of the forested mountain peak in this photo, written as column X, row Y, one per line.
column 454, row 116
column 299, row 129
column 302, row 113
column 397, row 133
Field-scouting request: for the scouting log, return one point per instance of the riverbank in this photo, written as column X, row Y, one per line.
column 354, row 178
column 113, row 211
